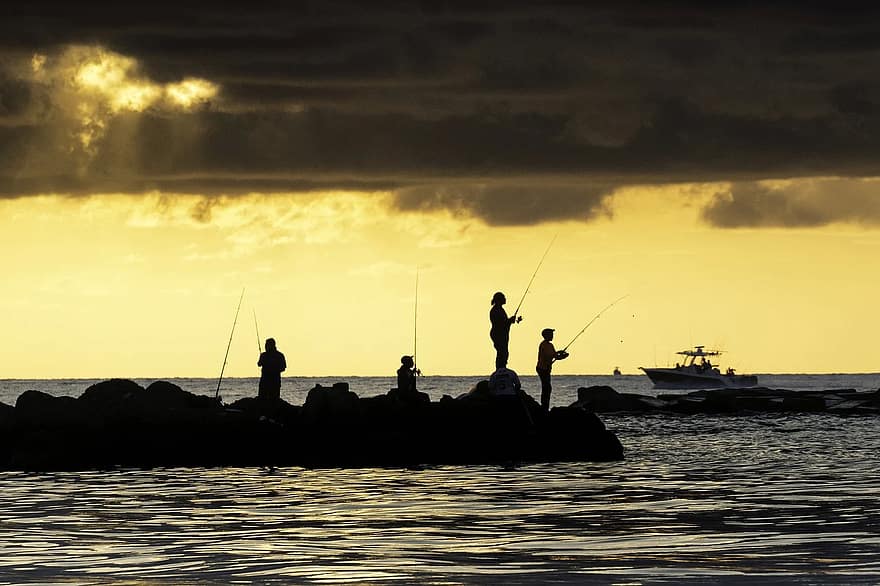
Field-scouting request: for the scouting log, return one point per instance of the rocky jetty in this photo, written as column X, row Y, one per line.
column 604, row 399
column 119, row 423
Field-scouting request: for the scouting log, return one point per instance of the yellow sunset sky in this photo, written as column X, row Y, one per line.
column 147, row 286
column 110, row 271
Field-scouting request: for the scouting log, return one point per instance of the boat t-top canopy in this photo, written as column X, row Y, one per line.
column 698, row 351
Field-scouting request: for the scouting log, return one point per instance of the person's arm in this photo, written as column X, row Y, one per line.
column 260, row 359
column 283, row 363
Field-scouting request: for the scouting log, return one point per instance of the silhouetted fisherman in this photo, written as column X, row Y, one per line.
column 500, row 332
column 547, row 355
column 406, row 375
column 273, row 363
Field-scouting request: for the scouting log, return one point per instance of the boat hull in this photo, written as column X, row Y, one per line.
column 681, row 378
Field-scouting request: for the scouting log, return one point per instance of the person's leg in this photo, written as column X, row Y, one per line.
column 501, row 354
column 546, row 389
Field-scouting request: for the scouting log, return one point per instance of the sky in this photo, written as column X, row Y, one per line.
column 716, row 166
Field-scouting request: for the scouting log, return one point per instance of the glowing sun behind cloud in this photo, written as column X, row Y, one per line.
column 91, row 84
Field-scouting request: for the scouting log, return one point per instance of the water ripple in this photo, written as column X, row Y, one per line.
column 698, row 499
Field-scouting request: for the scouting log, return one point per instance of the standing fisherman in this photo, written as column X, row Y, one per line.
column 273, row 363
column 547, row 355
column 500, row 332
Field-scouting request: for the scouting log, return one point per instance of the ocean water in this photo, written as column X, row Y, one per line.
column 698, row 499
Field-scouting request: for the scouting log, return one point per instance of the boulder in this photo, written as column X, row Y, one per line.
column 323, row 401
column 7, row 417
column 604, row 399
column 7, row 423
column 277, row 410
column 39, row 409
column 573, row 433
column 166, row 395
column 409, row 396
column 111, row 392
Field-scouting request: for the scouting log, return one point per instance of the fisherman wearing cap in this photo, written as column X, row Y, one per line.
column 500, row 332
column 406, row 375
column 547, row 355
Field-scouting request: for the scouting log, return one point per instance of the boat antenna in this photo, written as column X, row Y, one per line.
column 589, row 323
column 526, row 292
column 222, row 368
column 416, row 324
column 257, row 328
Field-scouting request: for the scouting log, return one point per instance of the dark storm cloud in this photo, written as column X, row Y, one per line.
column 804, row 204
column 454, row 105
column 507, row 205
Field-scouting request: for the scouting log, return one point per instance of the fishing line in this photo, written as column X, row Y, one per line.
column 609, row 306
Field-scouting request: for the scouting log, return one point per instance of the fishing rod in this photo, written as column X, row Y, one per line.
column 607, row 307
column 217, row 392
column 416, row 324
column 257, row 328
column 516, row 311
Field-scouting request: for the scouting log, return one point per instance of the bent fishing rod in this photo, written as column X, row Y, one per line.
column 597, row 316
column 226, row 356
column 529, row 286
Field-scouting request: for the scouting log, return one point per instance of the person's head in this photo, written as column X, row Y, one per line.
column 499, row 298
column 547, row 333
column 270, row 344
column 407, row 361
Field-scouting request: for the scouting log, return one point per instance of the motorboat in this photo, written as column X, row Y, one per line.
column 697, row 372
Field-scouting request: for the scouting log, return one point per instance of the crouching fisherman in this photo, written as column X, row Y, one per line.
column 273, row 364
column 406, row 382
column 406, row 375
column 504, row 383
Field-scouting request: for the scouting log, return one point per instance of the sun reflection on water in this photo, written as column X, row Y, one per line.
column 779, row 507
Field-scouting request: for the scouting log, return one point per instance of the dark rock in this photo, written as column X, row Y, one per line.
column 576, row 434
column 409, row 396
column 604, row 399
column 164, row 394
column 277, row 410
column 7, row 416
column 805, row 404
column 118, row 423
column 111, row 392
column 324, row 402
column 38, row 409
column 597, row 393
column 732, row 401
column 7, row 424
